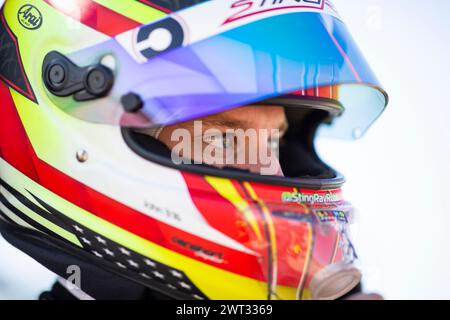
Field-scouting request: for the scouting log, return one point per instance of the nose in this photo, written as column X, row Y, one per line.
column 267, row 162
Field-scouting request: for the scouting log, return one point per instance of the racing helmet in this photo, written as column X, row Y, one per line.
column 81, row 184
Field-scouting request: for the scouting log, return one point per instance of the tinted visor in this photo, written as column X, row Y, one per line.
column 268, row 58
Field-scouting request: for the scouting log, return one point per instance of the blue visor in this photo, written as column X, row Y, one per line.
column 265, row 59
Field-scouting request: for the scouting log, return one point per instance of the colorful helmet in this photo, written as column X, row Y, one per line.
column 80, row 185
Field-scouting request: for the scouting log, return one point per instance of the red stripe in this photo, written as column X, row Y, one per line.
column 96, row 16
column 14, row 145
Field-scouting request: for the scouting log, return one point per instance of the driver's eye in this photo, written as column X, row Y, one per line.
column 227, row 141
column 223, row 141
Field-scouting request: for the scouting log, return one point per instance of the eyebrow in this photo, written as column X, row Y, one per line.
column 225, row 123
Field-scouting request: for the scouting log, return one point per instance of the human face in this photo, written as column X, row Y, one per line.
column 245, row 138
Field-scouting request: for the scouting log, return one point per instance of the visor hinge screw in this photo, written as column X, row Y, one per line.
column 82, row 156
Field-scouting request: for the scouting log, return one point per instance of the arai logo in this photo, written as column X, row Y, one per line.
column 30, row 17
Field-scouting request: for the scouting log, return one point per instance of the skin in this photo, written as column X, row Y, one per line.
column 256, row 117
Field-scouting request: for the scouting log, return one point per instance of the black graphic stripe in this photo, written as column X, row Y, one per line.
column 22, row 215
column 55, row 214
column 152, row 273
column 147, row 270
column 5, row 217
column 11, row 68
column 35, row 208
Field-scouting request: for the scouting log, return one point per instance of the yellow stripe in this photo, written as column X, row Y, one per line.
column 272, row 233
column 227, row 190
column 301, row 284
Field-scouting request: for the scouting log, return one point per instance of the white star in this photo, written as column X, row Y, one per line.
column 125, row 251
column 97, row 254
column 159, row 275
column 150, row 263
column 197, row 297
column 78, row 229
column 101, row 240
column 177, row 274
column 185, row 285
column 108, row 252
column 86, row 241
column 145, row 275
column 132, row 263
column 121, row 265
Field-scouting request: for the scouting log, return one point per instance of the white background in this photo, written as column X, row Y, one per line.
column 398, row 174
